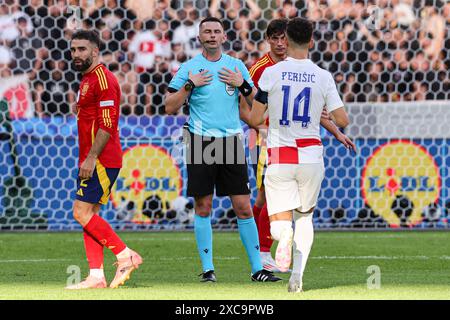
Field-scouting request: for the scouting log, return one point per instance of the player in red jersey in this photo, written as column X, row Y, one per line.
column 276, row 38
column 100, row 159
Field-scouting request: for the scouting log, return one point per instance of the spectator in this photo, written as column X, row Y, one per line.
column 243, row 33
column 385, row 48
column 178, row 57
column 128, row 80
column 160, row 78
column 143, row 9
column 108, row 42
column 151, row 9
column 5, row 56
column 110, row 14
column 404, row 14
column 164, row 12
column 116, row 17
column 350, row 88
column 145, row 47
column 446, row 13
column 8, row 27
column 433, row 25
column 419, row 91
column 52, row 30
column 5, row 71
column 230, row 9
column 54, row 96
column 239, row 19
column 89, row 7
column 186, row 33
column 288, row 10
column 36, row 10
column 162, row 34
column 24, row 49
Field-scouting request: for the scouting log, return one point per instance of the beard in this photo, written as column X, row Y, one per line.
column 83, row 66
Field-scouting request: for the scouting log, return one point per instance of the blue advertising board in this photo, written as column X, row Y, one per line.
column 386, row 184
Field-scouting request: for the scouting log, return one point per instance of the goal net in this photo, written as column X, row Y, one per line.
column 390, row 61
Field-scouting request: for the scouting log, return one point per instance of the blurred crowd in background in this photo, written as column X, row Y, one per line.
column 377, row 51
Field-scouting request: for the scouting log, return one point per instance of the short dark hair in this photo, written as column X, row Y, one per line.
column 211, row 19
column 90, row 35
column 299, row 30
column 276, row 27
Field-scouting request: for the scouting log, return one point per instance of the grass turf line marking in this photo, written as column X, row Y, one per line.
column 195, row 258
column 34, row 260
column 150, row 239
column 237, row 258
column 326, row 258
column 372, row 257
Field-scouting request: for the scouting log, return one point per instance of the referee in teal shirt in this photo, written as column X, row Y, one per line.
column 212, row 82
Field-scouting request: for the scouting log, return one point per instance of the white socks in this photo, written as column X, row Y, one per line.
column 303, row 240
column 277, row 226
column 97, row 273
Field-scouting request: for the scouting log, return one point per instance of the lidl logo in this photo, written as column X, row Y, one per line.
column 399, row 181
column 148, row 181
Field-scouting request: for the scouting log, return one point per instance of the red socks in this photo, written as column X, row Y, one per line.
column 262, row 222
column 94, row 251
column 265, row 240
column 256, row 212
column 101, row 231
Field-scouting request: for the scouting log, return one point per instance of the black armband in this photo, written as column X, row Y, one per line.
column 261, row 96
column 171, row 90
column 245, row 88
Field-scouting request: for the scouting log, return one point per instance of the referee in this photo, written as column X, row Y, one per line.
column 212, row 82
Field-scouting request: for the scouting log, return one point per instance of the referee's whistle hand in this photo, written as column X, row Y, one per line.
column 230, row 77
column 201, row 78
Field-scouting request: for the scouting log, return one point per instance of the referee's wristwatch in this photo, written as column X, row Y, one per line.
column 189, row 85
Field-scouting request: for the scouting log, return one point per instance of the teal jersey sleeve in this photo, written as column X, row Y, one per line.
column 180, row 77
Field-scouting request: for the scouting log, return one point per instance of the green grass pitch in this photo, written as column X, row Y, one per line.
column 413, row 265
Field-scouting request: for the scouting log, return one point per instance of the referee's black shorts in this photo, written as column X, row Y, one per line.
column 218, row 163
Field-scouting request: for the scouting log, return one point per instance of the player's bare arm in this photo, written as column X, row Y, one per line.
column 244, row 111
column 327, row 123
column 244, row 114
column 340, row 117
column 235, row 79
column 257, row 114
column 88, row 165
column 174, row 100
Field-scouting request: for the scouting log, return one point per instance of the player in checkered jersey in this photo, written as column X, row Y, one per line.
column 294, row 92
column 276, row 38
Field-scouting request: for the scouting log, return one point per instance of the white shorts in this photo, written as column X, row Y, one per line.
column 293, row 186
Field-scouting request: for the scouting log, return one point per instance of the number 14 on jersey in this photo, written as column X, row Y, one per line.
column 298, row 114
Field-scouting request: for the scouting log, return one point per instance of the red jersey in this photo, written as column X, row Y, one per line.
column 98, row 107
column 258, row 68
column 255, row 73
